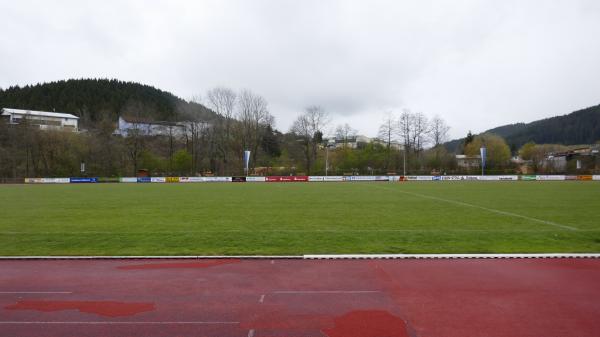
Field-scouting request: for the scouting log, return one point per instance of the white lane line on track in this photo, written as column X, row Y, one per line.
column 325, row 291
column 36, row 292
column 261, row 299
column 118, row 323
column 492, row 210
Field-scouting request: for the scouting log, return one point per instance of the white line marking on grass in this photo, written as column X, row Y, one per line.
column 36, row 292
column 116, row 322
column 251, row 333
column 546, row 222
column 326, row 291
column 261, row 299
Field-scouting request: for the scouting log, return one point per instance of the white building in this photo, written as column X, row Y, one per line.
column 128, row 126
column 43, row 119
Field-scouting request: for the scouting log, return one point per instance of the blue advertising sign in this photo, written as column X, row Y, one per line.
column 144, row 179
column 76, row 180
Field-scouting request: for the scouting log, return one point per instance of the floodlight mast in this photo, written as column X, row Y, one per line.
column 404, row 160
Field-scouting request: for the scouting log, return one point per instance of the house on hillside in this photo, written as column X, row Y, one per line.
column 468, row 162
column 582, row 160
column 42, row 119
column 144, row 127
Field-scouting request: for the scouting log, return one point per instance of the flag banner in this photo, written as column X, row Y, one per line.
column 483, row 152
column 246, row 160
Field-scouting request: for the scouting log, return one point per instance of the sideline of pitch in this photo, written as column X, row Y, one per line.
column 319, row 257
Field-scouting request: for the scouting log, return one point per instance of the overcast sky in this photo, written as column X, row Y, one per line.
column 477, row 64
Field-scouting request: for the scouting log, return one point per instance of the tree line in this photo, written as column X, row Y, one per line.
column 219, row 128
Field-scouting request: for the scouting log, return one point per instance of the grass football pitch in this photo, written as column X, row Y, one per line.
column 299, row 218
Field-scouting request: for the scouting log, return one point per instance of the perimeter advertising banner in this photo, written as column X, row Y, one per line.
column 255, row 179
column 294, row 178
column 585, row 177
column 362, row 178
column 172, row 179
column 238, row 179
column 548, row 177
column 596, row 177
column 287, row 179
column 158, row 179
column 128, row 180
column 528, row 178
column 217, row 179
column 77, row 180
column 55, row 180
column 333, row 178
column 498, row 178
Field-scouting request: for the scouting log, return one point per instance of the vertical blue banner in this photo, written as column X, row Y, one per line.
column 246, row 161
column 483, row 152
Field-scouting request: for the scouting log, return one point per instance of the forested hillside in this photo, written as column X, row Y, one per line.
column 579, row 127
column 94, row 100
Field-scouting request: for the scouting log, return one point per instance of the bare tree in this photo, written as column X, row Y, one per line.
column 223, row 101
column 438, row 131
column 404, row 128
column 253, row 117
column 344, row 133
column 387, row 133
column 420, row 130
column 309, row 127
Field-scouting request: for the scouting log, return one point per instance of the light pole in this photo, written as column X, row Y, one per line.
column 404, row 160
column 326, row 159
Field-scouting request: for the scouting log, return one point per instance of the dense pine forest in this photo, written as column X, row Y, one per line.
column 579, row 127
column 94, row 100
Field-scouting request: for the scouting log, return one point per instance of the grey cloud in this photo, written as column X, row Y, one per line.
column 478, row 64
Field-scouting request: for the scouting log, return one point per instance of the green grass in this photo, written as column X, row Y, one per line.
column 300, row 218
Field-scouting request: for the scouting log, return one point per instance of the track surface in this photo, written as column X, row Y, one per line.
column 297, row 298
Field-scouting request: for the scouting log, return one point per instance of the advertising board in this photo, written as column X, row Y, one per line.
column 255, row 179
column 549, row 177
column 217, row 179
column 79, row 180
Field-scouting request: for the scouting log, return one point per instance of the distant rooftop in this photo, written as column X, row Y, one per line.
column 7, row 111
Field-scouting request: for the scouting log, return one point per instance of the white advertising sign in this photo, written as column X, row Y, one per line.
column 256, row 179
column 548, row 177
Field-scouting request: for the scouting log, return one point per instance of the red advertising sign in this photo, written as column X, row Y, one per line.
column 287, row 179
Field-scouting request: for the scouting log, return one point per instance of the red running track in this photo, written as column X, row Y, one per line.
column 300, row 298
